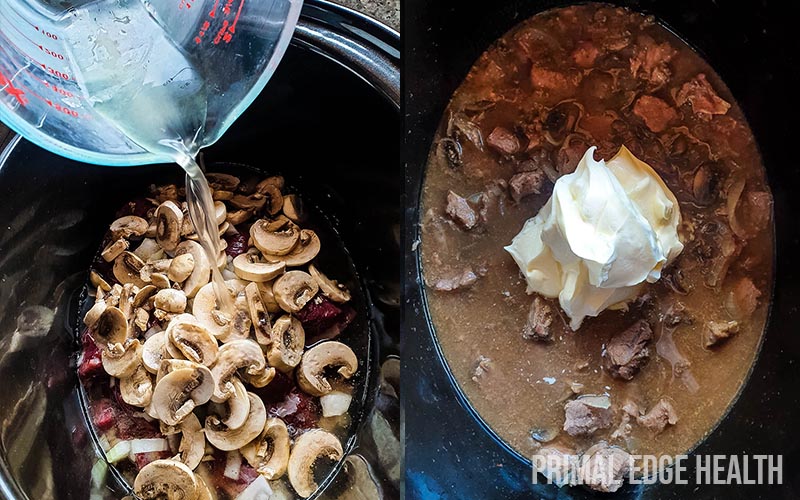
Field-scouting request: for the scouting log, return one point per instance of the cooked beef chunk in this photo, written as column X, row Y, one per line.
column 556, row 464
column 482, row 368
column 585, row 54
column 623, row 431
column 504, row 141
column 756, row 209
column 717, row 331
column 655, row 113
column 526, row 183
column 699, row 93
column 460, row 211
column 540, row 319
column 455, row 280
column 546, row 79
column 627, row 352
column 660, row 416
column 650, row 61
column 587, row 414
column 743, row 299
column 603, row 467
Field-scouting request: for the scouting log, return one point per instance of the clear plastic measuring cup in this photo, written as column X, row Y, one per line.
column 64, row 62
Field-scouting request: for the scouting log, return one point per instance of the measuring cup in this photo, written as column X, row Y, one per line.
column 63, row 63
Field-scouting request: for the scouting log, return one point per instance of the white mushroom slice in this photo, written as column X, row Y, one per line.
column 258, row 314
column 128, row 226
column 114, row 249
column 181, row 268
column 193, row 340
column 321, row 359
column 225, row 439
column 268, row 454
column 219, row 323
column 293, row 208
column 274, row 198
column 126, row 299
column 127, row 268
column 253, row 202
column 249, row 267
column 147, row 249
column 276, row 237
column 239, row 216
column 331, row 288
column 143, row 295
column 93, row 314
column 141, row 318
column 161, row 281
column 193, row 442
column 153, row 351
column 262, row 379
column 204, row 492
column 169, row 222
column 166, row 480
column 240, row 323
column 232, row 357
column 294, row 290
column 179, row 392
column 154, row 267
column 171, row 300
column 307, row 248
column 123, row 365
column 268, row 296
column 233, row 412
column 307, row 449
column 201, row 274
column 97, row 281
column 169, row 365
column 220, row 212
column 137, row 390
column 110, row 330
column 287, row 342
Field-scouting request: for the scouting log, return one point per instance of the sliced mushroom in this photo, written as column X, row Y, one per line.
column 249, row 267
column 201, row 274
column 143, row 295
column 166, row 480
column 293, row 290
column 180, row 391
column 268, row 454
column 258, row 314
column 261, row 379
column 226, row 439
column 111, row 329
column 221, row 195
column 98, row 282
column 268, row 297
column 147, row 249
column 153, row 351
column 93, row 314
column 127, row 267
column 226, row 182
column 307, row 248
column 204, row 492
column 181, row 268
column 193, row 442
column 287, row 340
column 233, row 413
column 331, row 288
column 273, row 197
column 275, row 181
column 114, row 249
column 169, row 224
column 234, row 356
column 126, row 299
column 169, row 365
column 158, row 266
column 321, row 359
column 239, row 216
column 276, row 237
column 253, row 202
column 193, row 340
column 205, row 309
column 137, row 390
column 293, row 208
column 124, row 364
column 171, row 300
column 314, row 445
column 128, row 226
column 141, row 318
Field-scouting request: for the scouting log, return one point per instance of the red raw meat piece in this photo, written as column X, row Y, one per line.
column 276, row 390
column 90, row 363
column 237, row 244
column 324, row 319
column 299, row 410
column 232, row 488
column 143, row 459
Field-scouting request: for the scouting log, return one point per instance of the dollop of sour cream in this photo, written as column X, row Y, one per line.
column 607, row 228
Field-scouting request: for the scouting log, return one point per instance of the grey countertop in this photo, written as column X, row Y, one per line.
column 386, row 11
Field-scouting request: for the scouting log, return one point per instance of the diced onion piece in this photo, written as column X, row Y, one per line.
column 150, row 445
column 335, row 403
column 99, row 471
column 104, row 444
column 120, row 451
column 257, row 490
column 233, row 465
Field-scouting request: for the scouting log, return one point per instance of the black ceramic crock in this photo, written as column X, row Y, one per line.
column 328, row 121
column 450, row 453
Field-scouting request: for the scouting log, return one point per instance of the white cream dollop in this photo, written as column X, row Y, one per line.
column 607, row 228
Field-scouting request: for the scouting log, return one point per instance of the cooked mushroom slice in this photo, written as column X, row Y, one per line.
column 193, row 442
column 307, row 248
column 253, row 202
column 268, row 297
column 322, row 359
column 221, row 195
column 293, row 208
column 179, row 392
column 238, row 216
column 287, row 342
column 308, row 448
column 143, row 295
column 137, row 389
column 233, row 412
column 273, row 198
column 268, row 454
column 128, row 226
column 220, row 181
column 258, row 314
column 166, row 480
column 331, row 288
column 127, row 267
column 275, row 180
column 225, row 439
column 181, row 268
column 124, row 364
column 153, row 351
column 201, row 273
column 294, row 290
column 114, row 249
column 110, row 330
column 276, row 237
column 193, row 340
column 171, row 300
column 234, row 356
column 249, row 267
column 169, row 224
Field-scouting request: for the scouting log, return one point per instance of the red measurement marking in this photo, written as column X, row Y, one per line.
column 15, row 92
column 228, row 29
column 55, row 72
column 46, row 33
column 213, row 12
column 186, row 4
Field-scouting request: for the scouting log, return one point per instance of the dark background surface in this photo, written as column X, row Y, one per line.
column 753, row 46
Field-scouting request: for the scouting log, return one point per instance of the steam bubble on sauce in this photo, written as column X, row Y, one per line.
column 608, row 228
